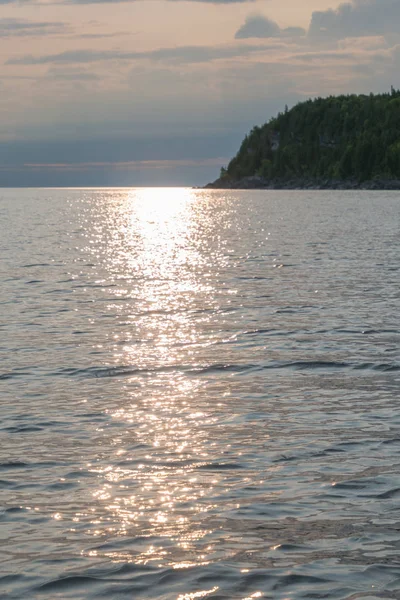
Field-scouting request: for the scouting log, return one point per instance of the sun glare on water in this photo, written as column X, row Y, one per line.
column 157, row 254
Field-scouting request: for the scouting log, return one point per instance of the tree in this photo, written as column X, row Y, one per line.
column 351, row 137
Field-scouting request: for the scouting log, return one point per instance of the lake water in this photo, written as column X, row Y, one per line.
column 200, row 394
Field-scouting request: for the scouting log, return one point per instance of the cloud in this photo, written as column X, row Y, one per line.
column 324, row 57
column 120, row 1
column 40, row 2
column 355, row 19
column 293, row 32
column 93, row 36
column 23, row 28
column 358, row 18
column 110, row 160
column 130, row 165
column 71, row 74
column 215, row 1
column 185, row 54
column 259, row 26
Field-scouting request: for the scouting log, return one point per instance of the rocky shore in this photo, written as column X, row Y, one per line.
column 259, row 183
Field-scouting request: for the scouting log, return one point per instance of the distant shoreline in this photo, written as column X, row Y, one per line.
column 259, row 183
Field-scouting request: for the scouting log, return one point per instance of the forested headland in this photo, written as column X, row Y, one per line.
column 341, row 141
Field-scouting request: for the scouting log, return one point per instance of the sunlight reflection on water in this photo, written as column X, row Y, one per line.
column 159, row 251
column 182, row 419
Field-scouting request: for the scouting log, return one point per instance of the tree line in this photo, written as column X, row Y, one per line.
column 340, row 137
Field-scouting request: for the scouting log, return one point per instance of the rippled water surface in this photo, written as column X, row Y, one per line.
column 199, row 395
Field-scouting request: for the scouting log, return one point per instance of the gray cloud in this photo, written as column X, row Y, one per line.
column 71, row 74
column 93, row 36
column 325, row 56
column 39, row 2
column 259, row 26
column 293, row 32
column 216, row 2
column 358, row 18
column 21, row 27
column 351, row 19
column 186, row 54
column 158, row 159
column 120, row 1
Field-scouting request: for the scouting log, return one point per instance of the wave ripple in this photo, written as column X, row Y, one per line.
column 183, row 421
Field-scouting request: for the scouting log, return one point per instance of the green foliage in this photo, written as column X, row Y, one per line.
column 343, row 137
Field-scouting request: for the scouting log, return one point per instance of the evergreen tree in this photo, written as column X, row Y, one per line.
column 347, row 137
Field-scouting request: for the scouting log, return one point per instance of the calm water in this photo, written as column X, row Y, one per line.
column 199, row 395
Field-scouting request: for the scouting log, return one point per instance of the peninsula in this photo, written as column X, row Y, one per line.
column 340, row 142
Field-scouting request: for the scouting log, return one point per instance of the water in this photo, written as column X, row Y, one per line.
column 199, row 395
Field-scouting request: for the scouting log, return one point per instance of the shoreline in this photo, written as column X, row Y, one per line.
column 259, row 183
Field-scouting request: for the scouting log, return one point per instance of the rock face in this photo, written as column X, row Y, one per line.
column 260, row 183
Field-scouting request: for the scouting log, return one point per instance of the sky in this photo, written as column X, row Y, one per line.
column 161, row 92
